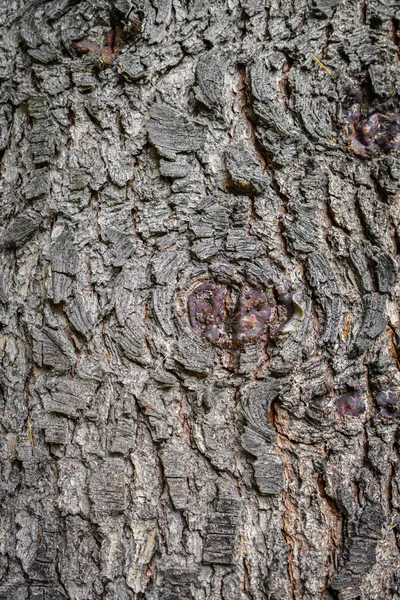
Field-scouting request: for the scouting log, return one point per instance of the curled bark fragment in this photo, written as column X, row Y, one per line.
column 296, row 315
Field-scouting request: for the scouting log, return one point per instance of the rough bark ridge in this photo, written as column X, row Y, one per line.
column 198, row 300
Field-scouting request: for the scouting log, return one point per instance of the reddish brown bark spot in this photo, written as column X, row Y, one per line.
column 105, row 53
column 114, row 40
column 356, row 147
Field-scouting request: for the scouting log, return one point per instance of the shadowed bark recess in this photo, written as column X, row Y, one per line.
column 199, row 300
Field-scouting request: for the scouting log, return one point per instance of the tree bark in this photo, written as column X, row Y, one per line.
column 199, row 318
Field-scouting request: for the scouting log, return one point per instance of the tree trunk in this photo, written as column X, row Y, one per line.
column 200, row 388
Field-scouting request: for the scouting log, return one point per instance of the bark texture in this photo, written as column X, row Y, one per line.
column 200, row 387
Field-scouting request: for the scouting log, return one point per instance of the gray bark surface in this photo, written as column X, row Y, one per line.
column 199, row 302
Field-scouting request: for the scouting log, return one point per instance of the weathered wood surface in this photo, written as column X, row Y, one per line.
column 199, row 300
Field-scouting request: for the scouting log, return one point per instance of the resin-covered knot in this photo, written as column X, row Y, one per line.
column 206, row 307
column 377, row 129
column 252, row 316
column 226, row 315
column 388, row 402
column 351, row 404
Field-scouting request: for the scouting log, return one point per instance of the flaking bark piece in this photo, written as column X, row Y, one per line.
column 21, row 229
column 210, row 81
column 245, row 172
column 107, row 487
column 63, row 254
column 52, row 348
column 171, row 132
